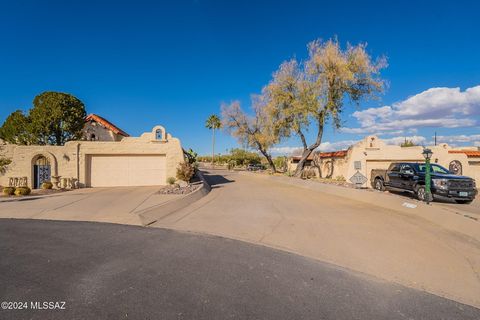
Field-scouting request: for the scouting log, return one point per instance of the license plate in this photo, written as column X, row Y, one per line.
column 463, row 194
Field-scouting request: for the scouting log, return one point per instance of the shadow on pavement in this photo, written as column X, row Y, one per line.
column 215, row 180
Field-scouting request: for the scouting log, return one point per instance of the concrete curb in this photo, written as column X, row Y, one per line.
column 153, row 214
column 28, row 198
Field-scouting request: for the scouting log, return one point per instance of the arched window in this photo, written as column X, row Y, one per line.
column 42, row 161
column 159, row 134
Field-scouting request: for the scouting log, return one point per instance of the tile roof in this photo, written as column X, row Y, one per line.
column 107, row 124
column 469, row 153
column 334, row 154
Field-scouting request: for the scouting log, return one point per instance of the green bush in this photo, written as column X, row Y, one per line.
column 22, row 191
column 9, row 191
column 340, row 178
column 185, row 171
column 47, row 185
column 171, row 180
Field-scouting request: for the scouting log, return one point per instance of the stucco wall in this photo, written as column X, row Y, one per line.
column 101, row 133
column 71, row 160
column 373, row 153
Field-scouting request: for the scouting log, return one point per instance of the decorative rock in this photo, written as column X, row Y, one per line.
column 182, row 184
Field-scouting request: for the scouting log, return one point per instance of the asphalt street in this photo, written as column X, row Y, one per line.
column 107, row 271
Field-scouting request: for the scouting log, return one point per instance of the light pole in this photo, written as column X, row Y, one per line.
column 427, row 154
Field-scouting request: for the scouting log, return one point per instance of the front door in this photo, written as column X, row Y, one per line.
column 41, row 175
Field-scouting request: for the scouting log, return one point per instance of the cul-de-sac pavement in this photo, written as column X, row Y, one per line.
column 255, row 247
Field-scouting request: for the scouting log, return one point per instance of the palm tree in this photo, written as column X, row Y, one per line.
column 212, row 123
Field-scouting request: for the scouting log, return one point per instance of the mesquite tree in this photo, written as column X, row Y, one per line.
column 256, row 131
column 312, row 92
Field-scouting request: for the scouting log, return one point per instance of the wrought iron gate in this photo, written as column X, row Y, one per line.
column 42, row 174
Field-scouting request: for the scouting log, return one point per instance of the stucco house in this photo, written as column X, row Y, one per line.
column 373, row 153
column 106, row 157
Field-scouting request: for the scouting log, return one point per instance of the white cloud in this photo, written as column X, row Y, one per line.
column 460, row 139
column 324, row 146
column 454, row 140
column 418, row 140
column 435, row 107
column 286, row 150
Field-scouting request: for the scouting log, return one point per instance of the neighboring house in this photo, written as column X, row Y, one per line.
column 100, row 129
column 106, row 157
column 373, row 153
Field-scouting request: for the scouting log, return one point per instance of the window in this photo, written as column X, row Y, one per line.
column 435, row 168
column 159, row 134
column 406, row 169
column 395, row 168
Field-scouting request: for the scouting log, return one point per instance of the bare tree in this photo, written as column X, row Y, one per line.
column 312, row 92
column 256, row 131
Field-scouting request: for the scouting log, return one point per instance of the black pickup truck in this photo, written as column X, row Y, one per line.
column 406, row 176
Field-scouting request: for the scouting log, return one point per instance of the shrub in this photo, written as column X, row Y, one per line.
column 22, row 191
column 185, row 171
column 340, row 178
column 47, row 185
column 171, row 180
column 231, row 164
column 9, row 191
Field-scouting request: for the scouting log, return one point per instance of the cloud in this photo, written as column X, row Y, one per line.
column 460, row 139
column 324, row 146
column 418, row 140
column 454, row 140
column 435, row 107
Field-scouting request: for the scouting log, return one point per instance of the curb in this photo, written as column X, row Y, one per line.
column 29, row 198
column 153, row 214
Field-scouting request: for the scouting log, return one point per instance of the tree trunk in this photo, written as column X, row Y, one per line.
column 308, row 151
column 268, row 157
column 213, row 147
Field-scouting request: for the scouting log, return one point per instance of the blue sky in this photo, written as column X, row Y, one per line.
column 140, row 63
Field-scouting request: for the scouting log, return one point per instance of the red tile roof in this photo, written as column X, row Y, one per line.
column 107, row 124
column 469, row 153
column 334, row 154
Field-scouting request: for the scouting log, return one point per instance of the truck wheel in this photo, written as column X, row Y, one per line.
column 379, row 184
column 463, row 201
column 421, row 194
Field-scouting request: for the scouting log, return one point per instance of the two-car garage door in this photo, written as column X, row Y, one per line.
column 127, row 170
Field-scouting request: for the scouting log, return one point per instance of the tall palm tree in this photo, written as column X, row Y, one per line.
column 213, row 122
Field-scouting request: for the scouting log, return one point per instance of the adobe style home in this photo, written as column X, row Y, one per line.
column 106, row 157
column 373, row 153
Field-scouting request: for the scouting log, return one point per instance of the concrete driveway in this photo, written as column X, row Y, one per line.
column 429, row 249
column 116, row 205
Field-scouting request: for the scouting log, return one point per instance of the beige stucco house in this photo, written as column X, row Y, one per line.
column 106, row 157
column 373, row 153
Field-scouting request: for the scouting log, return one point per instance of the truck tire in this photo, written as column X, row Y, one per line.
column 378, row 184
column 421, row 195
column 463, row 201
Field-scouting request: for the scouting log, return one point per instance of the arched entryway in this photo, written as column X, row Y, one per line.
column 41, row 171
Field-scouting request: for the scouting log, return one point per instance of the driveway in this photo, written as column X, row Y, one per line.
column 108, row 271
column 425, row 250
column 116, row 205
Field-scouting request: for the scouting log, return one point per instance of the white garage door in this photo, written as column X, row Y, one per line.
column 128, row 170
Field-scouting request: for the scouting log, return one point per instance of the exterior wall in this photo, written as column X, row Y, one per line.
column 72, row 159
column 100, row 132
column 373, row 153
